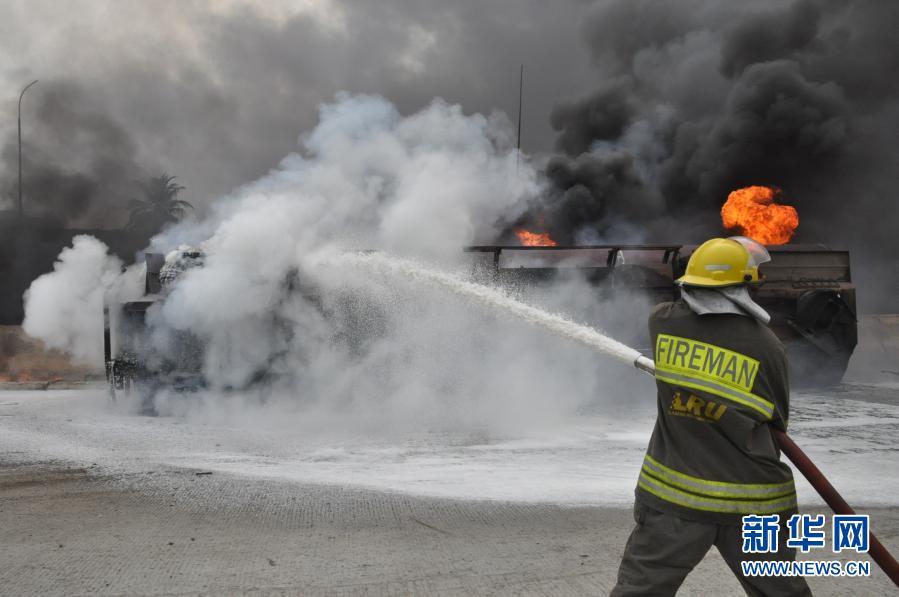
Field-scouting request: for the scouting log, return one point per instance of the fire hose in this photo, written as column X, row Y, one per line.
column 816, row 478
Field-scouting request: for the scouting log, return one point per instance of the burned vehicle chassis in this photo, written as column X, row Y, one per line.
column 807, row 290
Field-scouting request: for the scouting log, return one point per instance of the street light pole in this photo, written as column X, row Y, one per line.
column 21, row 213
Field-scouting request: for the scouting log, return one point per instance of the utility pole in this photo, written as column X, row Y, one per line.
column 21, row 213
column 520, row 89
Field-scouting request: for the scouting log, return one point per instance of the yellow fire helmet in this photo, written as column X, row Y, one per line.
column 725, row 262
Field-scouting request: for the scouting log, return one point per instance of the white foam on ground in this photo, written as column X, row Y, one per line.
column 590, row 461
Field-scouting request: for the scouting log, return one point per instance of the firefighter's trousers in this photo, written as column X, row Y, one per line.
column 664, row 548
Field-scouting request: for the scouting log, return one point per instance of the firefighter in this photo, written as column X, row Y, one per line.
column 722, row 384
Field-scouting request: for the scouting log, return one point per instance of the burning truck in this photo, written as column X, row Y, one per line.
column 807, row 289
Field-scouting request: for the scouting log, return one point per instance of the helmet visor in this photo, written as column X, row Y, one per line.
column 758, row 254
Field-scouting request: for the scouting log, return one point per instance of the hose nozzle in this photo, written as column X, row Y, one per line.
column 645, row 364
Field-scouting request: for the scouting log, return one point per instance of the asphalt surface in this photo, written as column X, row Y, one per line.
column 89, row 505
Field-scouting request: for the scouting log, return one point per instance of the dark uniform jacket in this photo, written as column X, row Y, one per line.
column 722, row 388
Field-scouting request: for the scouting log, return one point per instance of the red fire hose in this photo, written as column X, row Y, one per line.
column 836, row 502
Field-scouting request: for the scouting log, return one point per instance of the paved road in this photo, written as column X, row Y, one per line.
column 89, row 505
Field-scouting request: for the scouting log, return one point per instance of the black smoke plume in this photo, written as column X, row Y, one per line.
column 700, row 97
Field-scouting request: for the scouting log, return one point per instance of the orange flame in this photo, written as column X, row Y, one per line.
column 534, row 239
column 752, row 212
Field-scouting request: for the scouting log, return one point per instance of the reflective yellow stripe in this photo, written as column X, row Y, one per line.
column 716, row 488
column 698, row 502
column 709, row 368
column 748, row 399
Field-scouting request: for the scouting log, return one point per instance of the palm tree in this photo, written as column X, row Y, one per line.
column 159, row 205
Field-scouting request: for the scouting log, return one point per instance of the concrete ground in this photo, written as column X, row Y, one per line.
column 87, row 508
column 69, row 532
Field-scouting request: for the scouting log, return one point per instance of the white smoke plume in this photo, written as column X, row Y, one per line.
column 65, row 307
column 433, row 181
column 287, row 326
